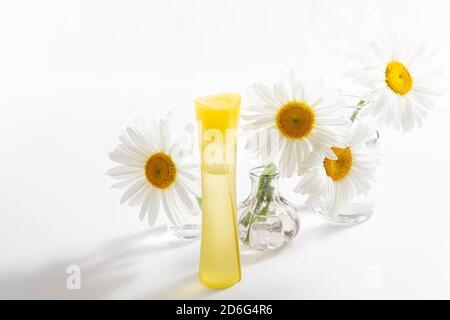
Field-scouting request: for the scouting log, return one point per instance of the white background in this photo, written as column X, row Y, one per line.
column 73, row 74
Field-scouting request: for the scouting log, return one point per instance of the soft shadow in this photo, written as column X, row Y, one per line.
column 104, row 271
column 185, row 288
column 320, row 232
column 108, row 269
column 256, row 257
column 306, row 236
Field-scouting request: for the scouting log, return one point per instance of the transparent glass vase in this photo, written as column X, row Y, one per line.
column 362, row 207
column 189, row 227
column 267, row 221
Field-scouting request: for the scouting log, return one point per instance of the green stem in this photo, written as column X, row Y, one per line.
column 264, row 197
column 357, row 110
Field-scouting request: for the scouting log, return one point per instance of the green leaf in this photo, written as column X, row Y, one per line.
column 261, row 215
column 264, row 197
column 269, row 170
column 246, row 219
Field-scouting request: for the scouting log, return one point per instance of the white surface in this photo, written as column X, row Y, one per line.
column 74, row 73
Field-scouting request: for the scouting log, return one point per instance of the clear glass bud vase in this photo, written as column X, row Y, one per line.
column 362, row 206
column 267, row 221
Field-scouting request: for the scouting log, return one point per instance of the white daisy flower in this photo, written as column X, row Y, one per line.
column 334, row 183
column 155, row 170
column 296, row 118
column 399, row 77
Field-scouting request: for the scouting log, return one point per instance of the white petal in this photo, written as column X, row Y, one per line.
column 117, row 171
column 280, row 92
column 291, row 163
column 153, row 208
column 283, row 159
column 265, row 93
column 251, row 117
column 326, row 137
column 380, row 103
column 263, row 109
column 333, row 121
column 164, row 135
column 377, row 52
column 183, row 196
column 156, row 132
column 187, row 175
column 130, row 145
column 139, row 141
column 146, row 132
column 132, row 190
column 129, row 153
column 191, row 186
column 137, row 199
column 144, row 206
column 167, row 201
column 125, row 160
column 321, row 148
column 360, row 134
column 263, row 124
column 422, row 100
column 263, row 120
column 123, row 183
column 130, row 175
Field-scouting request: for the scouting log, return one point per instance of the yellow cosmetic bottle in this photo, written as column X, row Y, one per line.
column 217, row 118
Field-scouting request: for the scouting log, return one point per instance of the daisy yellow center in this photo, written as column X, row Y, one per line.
column 398, row 78
column 295, row 120
column 160, row 170
column 338, row 169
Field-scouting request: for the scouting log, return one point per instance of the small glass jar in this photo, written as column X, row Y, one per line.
column 188, row 229
column 363, row 206
column 267, row 221
column 359, row 211
column 353, row 107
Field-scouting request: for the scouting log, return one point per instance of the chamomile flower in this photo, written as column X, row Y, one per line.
column 294, row 117
column 155, row 170
column 333, row 183
column 400, row 78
